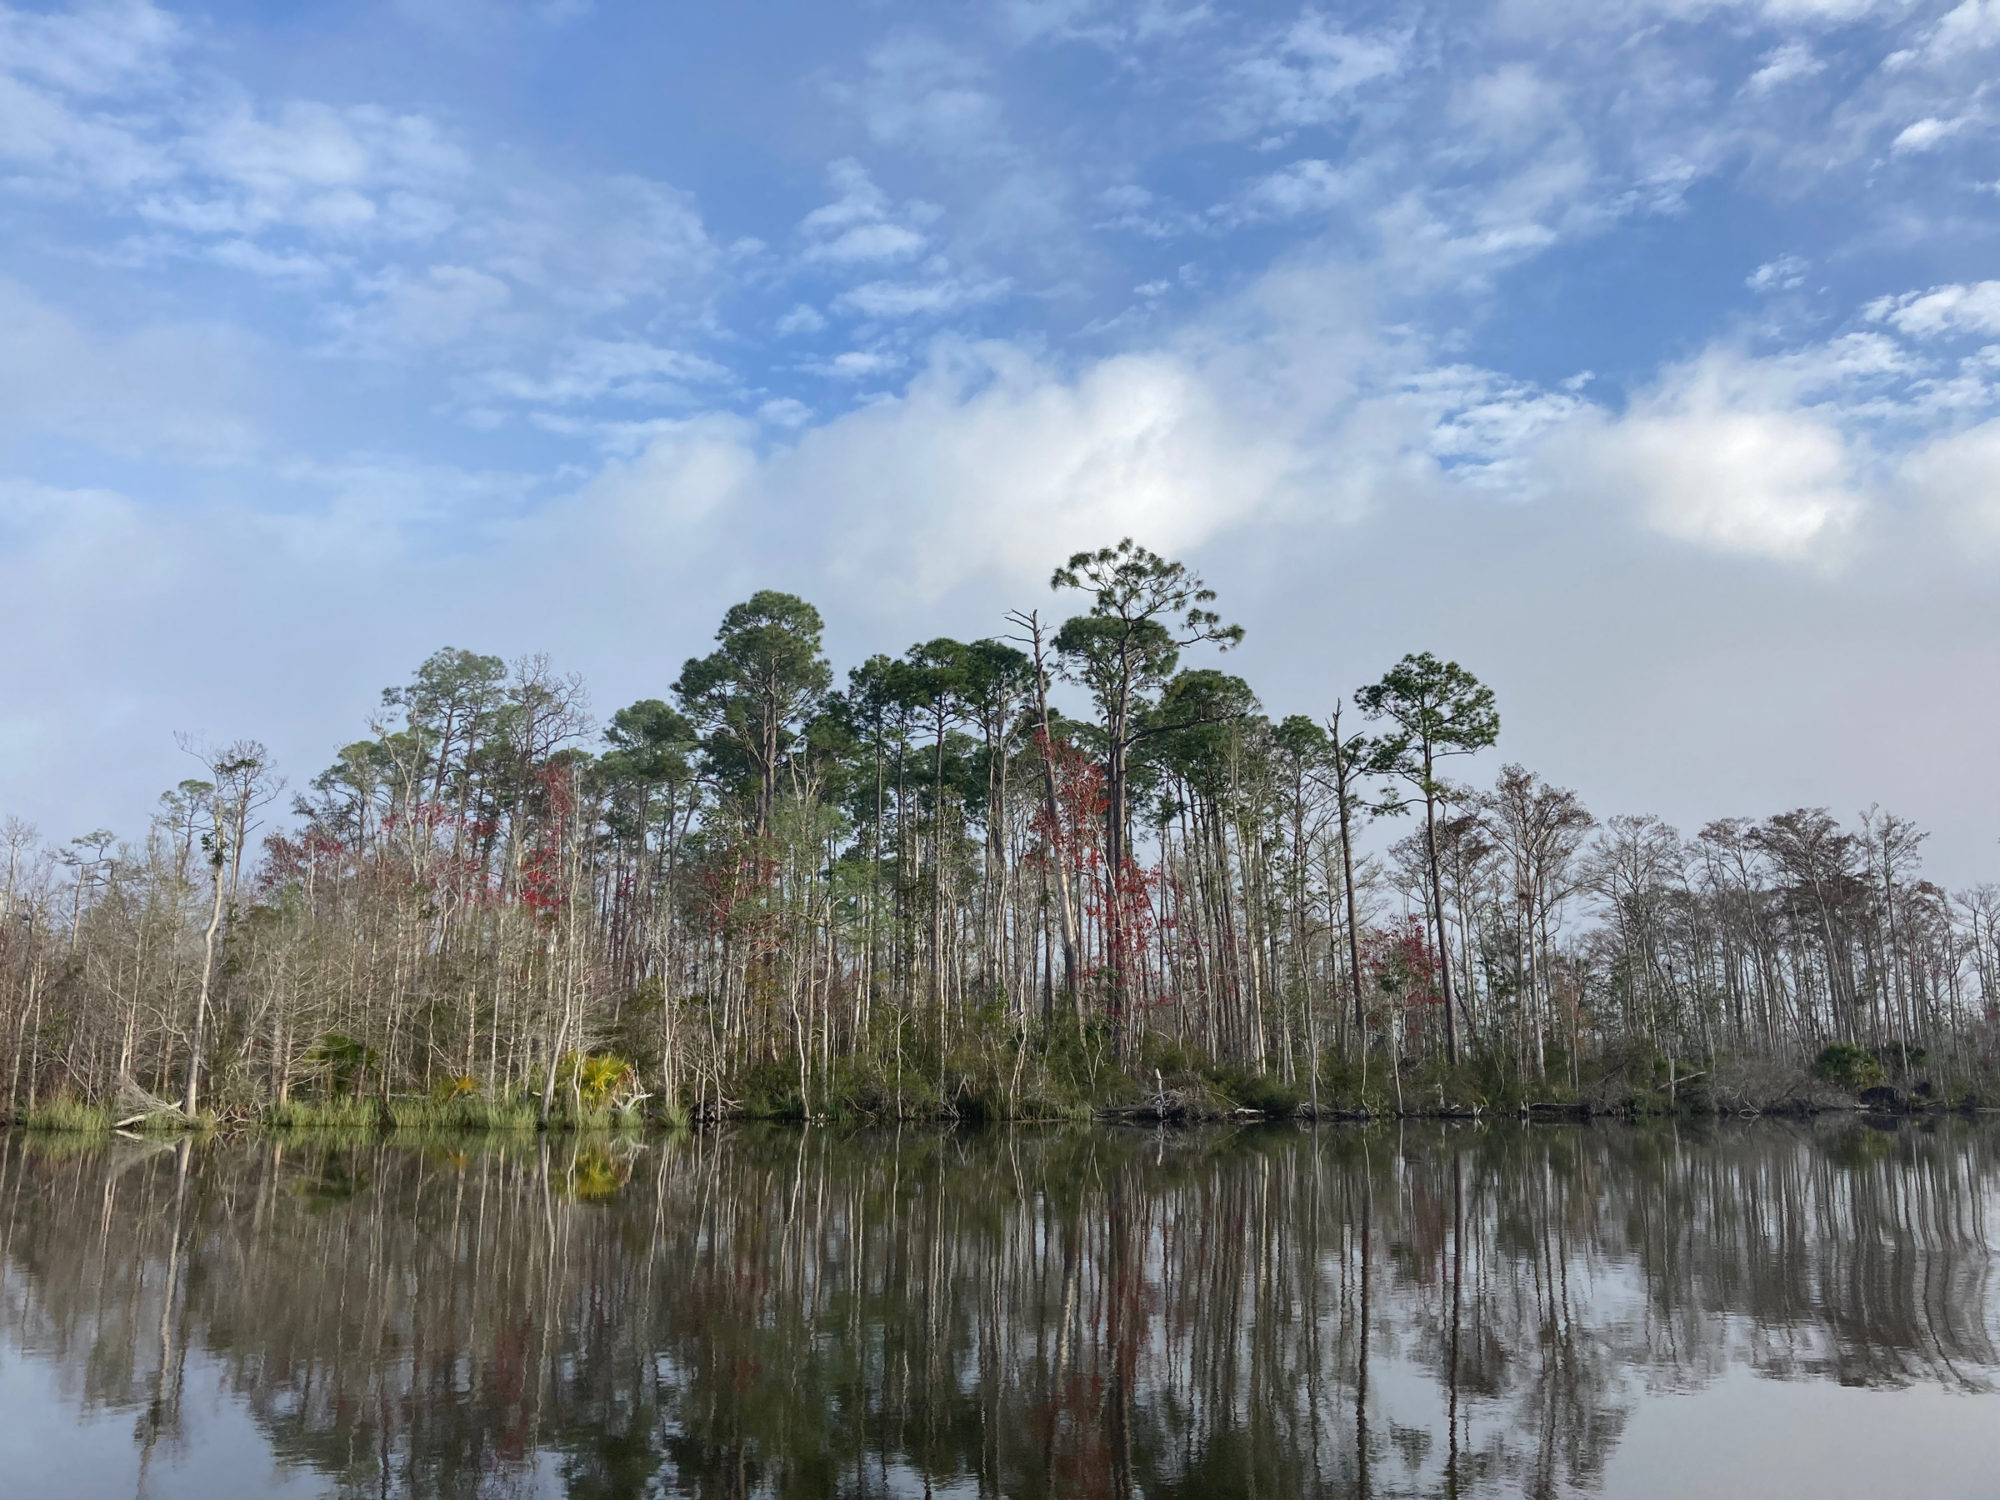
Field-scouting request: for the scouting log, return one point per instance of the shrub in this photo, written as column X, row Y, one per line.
column 1259, row 1091
column 1899, row 1057
column 1846, row 1066
column 770, row 1091
column 601, row 1080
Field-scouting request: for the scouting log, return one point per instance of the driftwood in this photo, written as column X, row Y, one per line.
column 135, row 1105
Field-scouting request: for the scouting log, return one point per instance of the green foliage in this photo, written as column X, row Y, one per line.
column 1846, row 1066
column 66, row 1112
column 750, row 695
column 341, row 1061
column 769, row 1091
column 1899, row 1058
column 1162, row 1055
column 1435, row 1084
column 1492, row 1076
column 598, row 1079
column 865, row 1086
column 1438, row 709
column 1262, row 1092
column 173, row 1122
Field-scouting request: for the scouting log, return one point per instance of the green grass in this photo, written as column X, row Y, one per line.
column 66, row 1113
column 423, row 1112
column 466, row 1112
column 326, row 1114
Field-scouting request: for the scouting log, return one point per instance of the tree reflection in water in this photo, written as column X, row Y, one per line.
column 1373, row 1312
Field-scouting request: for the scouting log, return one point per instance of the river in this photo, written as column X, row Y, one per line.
column 1767, row 1309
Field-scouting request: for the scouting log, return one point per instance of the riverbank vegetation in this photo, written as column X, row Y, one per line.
column 1071, row 868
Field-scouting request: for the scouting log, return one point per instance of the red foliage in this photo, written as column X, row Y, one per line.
column 542, row 886
column 731, row 884
column 1126, row 908
column 1074, row 834
column 1400, row 968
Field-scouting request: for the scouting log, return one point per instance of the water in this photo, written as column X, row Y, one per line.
column 1768, row 1310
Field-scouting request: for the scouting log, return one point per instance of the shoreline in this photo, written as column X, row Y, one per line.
column 1143, row 1115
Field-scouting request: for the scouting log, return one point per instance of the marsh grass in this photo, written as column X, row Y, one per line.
column 447, row 1111
column 463, row 1112
column 66, row 1113
column 326, row 1114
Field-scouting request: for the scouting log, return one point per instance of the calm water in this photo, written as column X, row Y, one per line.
column 1764, row 1310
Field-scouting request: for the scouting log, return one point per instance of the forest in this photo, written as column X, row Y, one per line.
column 1070, row 868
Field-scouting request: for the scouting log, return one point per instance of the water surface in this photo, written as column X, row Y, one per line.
column 1772, row 1310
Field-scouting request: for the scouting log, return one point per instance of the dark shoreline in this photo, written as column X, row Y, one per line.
column 1144, row 1115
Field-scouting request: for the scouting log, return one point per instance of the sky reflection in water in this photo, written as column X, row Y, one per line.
column 1771, row 1309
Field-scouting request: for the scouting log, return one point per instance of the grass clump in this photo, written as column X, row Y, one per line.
column 326, row 1114
column 619, row 1118
column 68, row 1113
column 462, row 1111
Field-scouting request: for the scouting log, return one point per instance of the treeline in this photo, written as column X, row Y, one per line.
column 930, row 890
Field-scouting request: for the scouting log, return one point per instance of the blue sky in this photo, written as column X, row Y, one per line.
column 1643, row 354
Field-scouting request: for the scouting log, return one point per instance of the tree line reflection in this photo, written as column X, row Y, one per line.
column 1435, row 1311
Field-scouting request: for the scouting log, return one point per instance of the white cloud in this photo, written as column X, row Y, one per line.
column 924, row 94
column 1925, row 135
column 445, row 305
column 1138, row 210
column 1784, row 274
column 1506, row 109
column 1961, row 33
column 860, row 226
column 1941, row 310
column 1485, row 426
column 869, row 242
column 1960, row 475
column 1311, row 73
column 1116, row 26
column 596, row 244
column 1623, row 16
column 413, row 242
column 803, row 318
column 178, row 392
column 689, row 471
column 856, row 364
column 277, row 265
column 1784, row 64
column 1969, row 26
column 313, row 167
column 479, row 18
column 1303, row 187
column 1722, row 456
column 909, row 299
column 785, row 412
column 594, row 369
column 92, row 49
column 991, row 463
column 1831, row 12
column 56, row 69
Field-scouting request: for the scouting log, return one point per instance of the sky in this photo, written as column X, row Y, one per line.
column 1641, row 355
